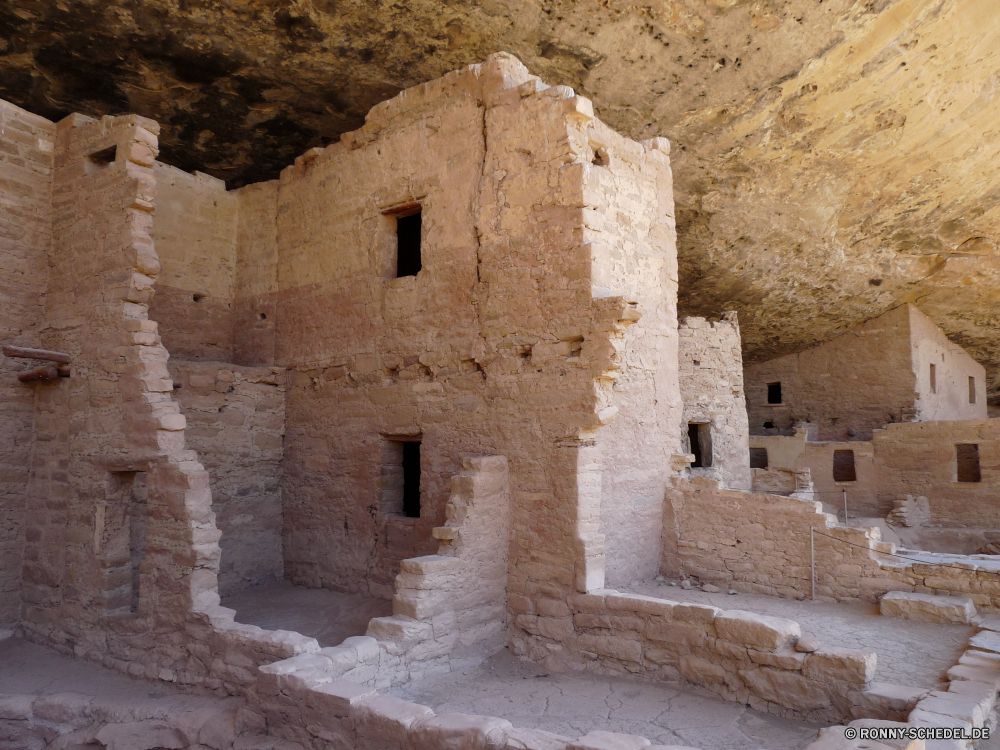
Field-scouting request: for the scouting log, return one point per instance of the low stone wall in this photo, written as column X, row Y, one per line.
column 235, row 422
column 761, row 544
column 741, row 656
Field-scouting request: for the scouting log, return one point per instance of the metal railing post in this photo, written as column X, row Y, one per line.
column 812, row 559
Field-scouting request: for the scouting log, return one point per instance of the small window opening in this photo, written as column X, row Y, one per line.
column 411, row 480
column 262, row 316
column 700, row 439
column 972, row 390
column 774, row 393
column 697, row 363
column 198, row 296
column 408, row 226
column 768, row 425
column 843, row 467
column 758, row 458
column 933, row 378
column 601, row 157
column 967, row 463
column 104, row 157
column 401, row 477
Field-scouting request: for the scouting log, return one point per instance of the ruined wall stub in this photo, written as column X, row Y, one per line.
column 110, row 438
column 711, row 380
column 26, row 158
column 504, row 343
column 876, row 374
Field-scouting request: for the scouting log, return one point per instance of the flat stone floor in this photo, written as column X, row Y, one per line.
column 26, row 668
column 573, row 704
column 909, row 652
column 328, row 616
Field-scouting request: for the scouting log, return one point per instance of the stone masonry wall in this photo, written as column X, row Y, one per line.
column 112, row 429
column 760, row 543
column 235, row 421
column 797, row 452
column 26, row 165
column 710, row 360
column 494, row 347
column 195, row 234
column 858, row 381
column 920, row 459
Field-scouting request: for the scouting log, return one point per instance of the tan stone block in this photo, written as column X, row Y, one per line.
column 786, row 688
column 840, row 665
column 760, row 632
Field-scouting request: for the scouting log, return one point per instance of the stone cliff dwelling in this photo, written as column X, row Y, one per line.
column 434, row 432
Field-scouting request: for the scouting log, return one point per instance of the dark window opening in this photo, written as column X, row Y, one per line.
column 843, row 467
column 411, row 480
column 972, row 390
column 408, row 245
column 401, row 477
column 768, row 425
column 933, row 379
column 774, row 393
column 758, row 458
column 104, row 157
column 700, row 439
column 967, row 463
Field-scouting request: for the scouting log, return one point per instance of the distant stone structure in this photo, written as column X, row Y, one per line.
column 898, row 367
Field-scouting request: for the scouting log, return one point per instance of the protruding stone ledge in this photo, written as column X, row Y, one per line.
column 928, row 607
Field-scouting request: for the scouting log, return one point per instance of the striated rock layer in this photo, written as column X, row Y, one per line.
column 833, row 158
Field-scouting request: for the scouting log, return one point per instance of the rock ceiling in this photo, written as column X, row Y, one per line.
column 833, row 158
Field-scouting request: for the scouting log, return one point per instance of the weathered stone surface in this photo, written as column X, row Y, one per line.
column 786, row 688
column 927, row 607
column 844, row 665
column 756, row 631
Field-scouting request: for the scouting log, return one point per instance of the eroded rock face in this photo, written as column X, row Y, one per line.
column 833, row 158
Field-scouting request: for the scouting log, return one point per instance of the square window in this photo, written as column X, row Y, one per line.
column 774, row 393
column 758, row 458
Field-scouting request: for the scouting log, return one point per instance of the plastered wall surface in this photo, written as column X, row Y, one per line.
column 711, row 380
column 950, row 397
column 256, row 279
column 629, row 227
column 920, row 459
column 195, row 235
column 860, row 381
column 235, row 421
column 27, row 145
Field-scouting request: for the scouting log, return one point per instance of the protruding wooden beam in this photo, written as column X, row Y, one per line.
column 23, row 352
column 38, row 374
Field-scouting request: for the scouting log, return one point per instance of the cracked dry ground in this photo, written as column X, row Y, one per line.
column 573, row 704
